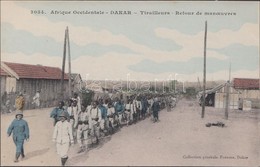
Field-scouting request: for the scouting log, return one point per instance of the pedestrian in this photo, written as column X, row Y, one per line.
column 95, row 115
column 155, row 109
column 19, row 102
column 20, row 129
column 77, row 98
column 111, row 117
column 103, row 121
column 62, row 136
column 83, row 130
column 36, row 99
column 119, row 111
column 57, row 111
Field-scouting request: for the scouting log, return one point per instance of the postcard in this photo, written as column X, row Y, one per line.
column 171, row 49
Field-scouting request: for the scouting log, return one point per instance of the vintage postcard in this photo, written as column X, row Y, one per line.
column 130, row 83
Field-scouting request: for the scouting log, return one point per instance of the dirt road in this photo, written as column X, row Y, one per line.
column 180, row 138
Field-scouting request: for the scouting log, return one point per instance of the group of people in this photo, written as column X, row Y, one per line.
column 74, row 123
column 19, row 101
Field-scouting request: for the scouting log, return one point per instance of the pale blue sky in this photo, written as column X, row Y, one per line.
column 141, row 31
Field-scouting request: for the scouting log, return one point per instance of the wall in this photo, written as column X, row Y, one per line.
column 50, row 91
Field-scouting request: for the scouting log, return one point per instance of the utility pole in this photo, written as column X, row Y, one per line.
column 204, row 72
column 227, row 95
column 63, row 66
column 69, row 62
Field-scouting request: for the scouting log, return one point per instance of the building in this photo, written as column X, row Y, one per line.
column 249, row 90
column 244, row 94
column 28, row 79
column 216, row 97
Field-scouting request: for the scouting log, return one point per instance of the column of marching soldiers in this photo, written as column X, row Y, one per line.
column 104, row 117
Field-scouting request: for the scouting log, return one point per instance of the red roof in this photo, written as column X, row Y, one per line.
column 243, row 83
column 3, row 73
column 35, row 71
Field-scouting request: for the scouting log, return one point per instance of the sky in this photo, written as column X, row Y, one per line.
column 133, row 45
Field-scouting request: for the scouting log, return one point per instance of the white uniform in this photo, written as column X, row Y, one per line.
column 62, row 135
column 110, row 115
column 83, row 128
column 95, row 115
column 36, row 99
column 129, row 112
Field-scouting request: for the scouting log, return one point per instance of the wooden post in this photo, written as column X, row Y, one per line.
column 227, row 95
column 63, row 66
column 69, row 62
column 204, row 72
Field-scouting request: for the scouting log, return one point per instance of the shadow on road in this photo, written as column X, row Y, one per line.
column 36, row 153
column 81, row 157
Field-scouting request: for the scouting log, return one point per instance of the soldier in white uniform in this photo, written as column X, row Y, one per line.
column 83, row 130
column 128, row 111
column 62, row 135
column 95, row 115
column 111, row 117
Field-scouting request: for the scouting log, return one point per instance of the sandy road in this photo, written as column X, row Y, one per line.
column 180, row 138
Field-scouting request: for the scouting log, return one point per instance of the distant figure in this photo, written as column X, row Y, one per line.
column 155, row 109
column 19, row 102
column 77, row 98
column 20, row 130
column 36, row 99
column 62, row 135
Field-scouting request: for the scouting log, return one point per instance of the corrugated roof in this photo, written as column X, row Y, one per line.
column 244, row 83
column 35, row 71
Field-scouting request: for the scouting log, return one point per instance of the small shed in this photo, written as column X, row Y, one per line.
column 26, row 78
column 249, row 89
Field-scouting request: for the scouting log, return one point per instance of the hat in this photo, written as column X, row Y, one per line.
column 19, row 113
column 62, row 114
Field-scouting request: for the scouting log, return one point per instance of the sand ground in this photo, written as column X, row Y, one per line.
column 179, row 139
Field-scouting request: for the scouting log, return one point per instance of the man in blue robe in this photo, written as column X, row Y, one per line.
column 20, row 129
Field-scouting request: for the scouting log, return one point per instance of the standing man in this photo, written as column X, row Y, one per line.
column 83, row 130
column 156, row 109
column 20, row 130
column 57, row 111
column 119, row 110
column 36, row 99
column 62, row 135
column 95, row 115
column 77, row 98
column 19, row 102
column 103, row 121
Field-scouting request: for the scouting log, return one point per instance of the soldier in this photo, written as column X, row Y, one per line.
column 77, row 98
column 83, row 130
column 57, row 111
column 72, row 111
column 111, row 117
column 155, row 109
column 103, row 121
column 19, row 102
column 62, row 135
column 144, row 107
column 20, row 129
column 95, row 115
column 128, row 111
column 119, row 110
